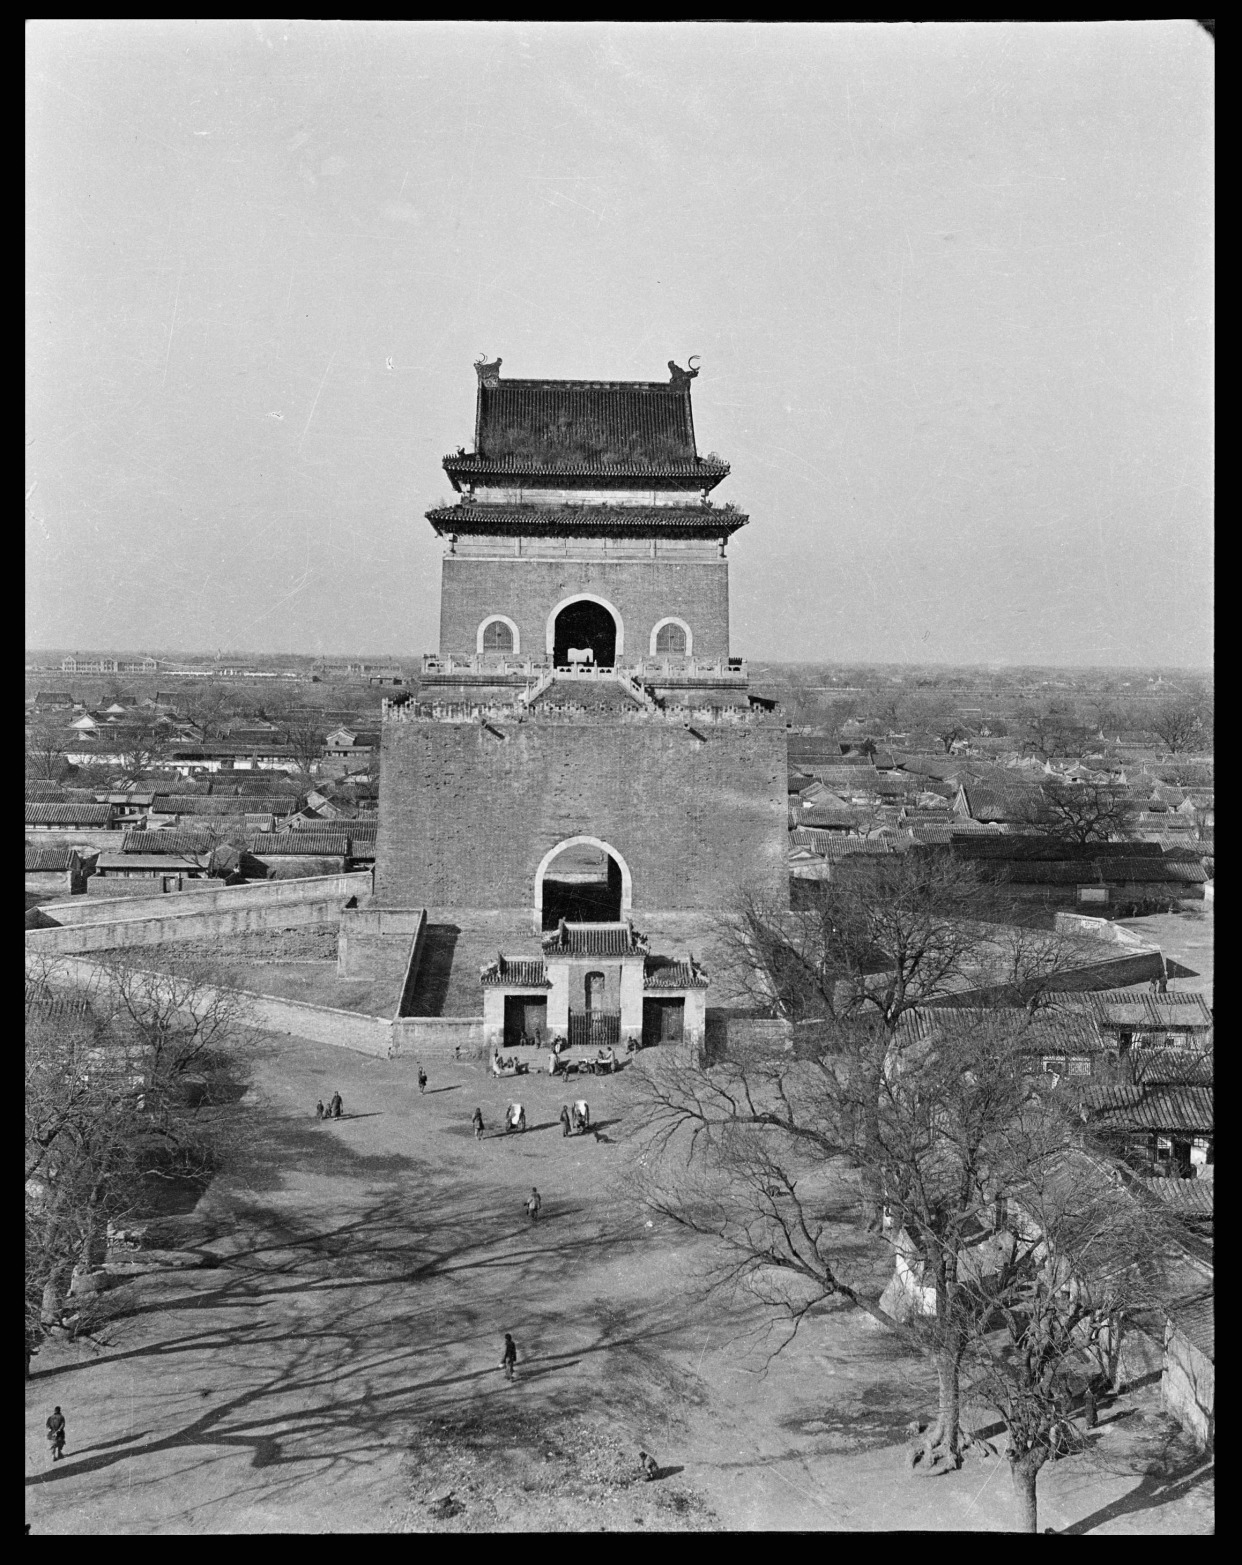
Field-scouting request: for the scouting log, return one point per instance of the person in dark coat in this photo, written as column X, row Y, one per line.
column 335, row 1107
column 648, row 1465
column 477, row 1122
column 422, row 1079
column 319, row 1109
column 564, row 1120
column 56, row 1434
column 533, row 1203
column 509, row 1357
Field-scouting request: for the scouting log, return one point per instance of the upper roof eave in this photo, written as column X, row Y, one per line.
column 708, row 521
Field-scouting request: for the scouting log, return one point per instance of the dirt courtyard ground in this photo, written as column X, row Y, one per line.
column 338, row 1369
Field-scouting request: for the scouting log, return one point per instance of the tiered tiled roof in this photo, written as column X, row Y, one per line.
column 585, row 422
column 641, row 521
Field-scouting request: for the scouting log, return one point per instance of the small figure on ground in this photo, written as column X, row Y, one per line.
column 477, row 1121
column 319, row 1109
column 533, row 1202
column 1088, row 1409
column 583, row 1113
column 564, row 1120
column 335, row 1106
column 648, row 1465
column 509, row 1357
column 422, row 1079
column 515, row 1118
column 56, row 1434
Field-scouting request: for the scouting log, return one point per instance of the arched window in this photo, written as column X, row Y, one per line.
column 498, row 636
column 670, row 637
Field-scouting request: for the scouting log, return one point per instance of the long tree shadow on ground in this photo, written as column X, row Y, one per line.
column 347, row 1321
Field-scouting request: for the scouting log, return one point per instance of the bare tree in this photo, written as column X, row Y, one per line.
column 1082, row 812
column 46, row 756
column 305, row 738
column 1179, row 722
column 127, row 1081
column 938, row 715
column 1072, row 1253
column 755, row 1155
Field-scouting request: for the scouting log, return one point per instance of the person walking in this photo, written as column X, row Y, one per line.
column 319, row 1109
column 564, row 1120
column 477, row 1122
column 56, row 1434
column 335, row 1107
column 422, row 1079
column 533, row 1202
column 509, row 1357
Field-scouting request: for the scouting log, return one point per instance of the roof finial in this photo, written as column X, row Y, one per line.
column 488, row 373
column 682, row 377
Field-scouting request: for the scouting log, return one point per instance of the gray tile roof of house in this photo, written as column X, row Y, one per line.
column 171, row 842
column 309, row 843
column 1192, row 1197
column 51, row 860
column 68, row 814
column 836, row 845
column 1162, row 1108
column 155, row 862
column 1140, row 1008
column 520, row 974
column 1155, row 1067
column 1049, row 1030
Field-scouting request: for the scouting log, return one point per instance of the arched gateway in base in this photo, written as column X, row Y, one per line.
column 586, row 890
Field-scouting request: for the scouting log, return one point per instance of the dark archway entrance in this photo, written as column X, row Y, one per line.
column 583, row 886
column 585, row 624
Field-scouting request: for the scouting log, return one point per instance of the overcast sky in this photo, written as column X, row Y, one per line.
column 951, row 286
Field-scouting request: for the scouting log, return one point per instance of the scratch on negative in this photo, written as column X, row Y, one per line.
column 315, row 403
column 172, row 325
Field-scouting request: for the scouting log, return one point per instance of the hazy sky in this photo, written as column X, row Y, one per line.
column 951, row 285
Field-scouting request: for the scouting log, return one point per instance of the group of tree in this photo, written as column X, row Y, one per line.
column 963, row 1161
column 131, row 1085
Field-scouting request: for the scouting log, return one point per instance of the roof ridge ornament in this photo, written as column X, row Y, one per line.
column 488, row 372
column 680, row 377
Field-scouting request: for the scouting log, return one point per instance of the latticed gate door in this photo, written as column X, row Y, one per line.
column 594, row 1029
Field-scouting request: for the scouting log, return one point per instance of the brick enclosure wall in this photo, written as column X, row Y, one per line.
column 642, row 591
column 468, row 811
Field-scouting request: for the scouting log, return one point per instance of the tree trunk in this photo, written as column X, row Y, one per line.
column 1025, row 1471
column 939, row 1449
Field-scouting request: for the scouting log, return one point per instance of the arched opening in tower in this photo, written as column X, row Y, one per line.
column 583, row 886
column 581, row 626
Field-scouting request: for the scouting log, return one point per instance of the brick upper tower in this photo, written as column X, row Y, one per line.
column 582, row 739
column 585, row 536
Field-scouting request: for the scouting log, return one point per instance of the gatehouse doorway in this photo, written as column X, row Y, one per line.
column 663, row 1021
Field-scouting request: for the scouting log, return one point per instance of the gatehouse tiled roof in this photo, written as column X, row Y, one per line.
column 592, row 940
column 714, row 521
column 661, row 973
column 521, row 974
